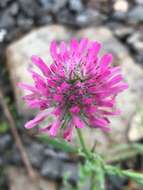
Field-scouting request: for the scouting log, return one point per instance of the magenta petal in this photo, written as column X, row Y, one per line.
column 105, row 61
column 53, row 49
column 78, row 122
column 68, row 134
column 95, row 47
column 40, row 63
column 57, row 111
column 45, row 129
column 54, row 128
column 75, row 110
column 82, row 45
column 63, row 47
column 27, row 87
column 74, row 45
column 37, row 120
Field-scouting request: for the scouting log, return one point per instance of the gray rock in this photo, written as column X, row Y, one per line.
column 13, row 9
column 13, row 34
column 5, row 142
column 4, row 3
column 76, row 5
column 88, row 17
column 139, row 58
column 62, row 188
column 123, row 32
column 50, row 153
column 6, row 21
column 51, row 168
column 54, row 5
column 1, row 161
column 29, row 7
column 3, row 34
column 15, row 157
column 120, row 16
column 136, row 14
column 63, row 156
column 23, row 23
column 139, row 2
column 71, row 169
column 136, row 41
column 44, row 19
column 35, row 153
column 66, row 17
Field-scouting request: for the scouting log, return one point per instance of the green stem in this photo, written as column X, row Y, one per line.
column 93, row 186
column 97, row 177
column 137, row 177
column 83, row 146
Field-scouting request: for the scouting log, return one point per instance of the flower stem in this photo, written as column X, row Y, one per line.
column 97, row 176
column 82, row 143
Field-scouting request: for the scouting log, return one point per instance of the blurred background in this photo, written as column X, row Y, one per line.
column 26, row 28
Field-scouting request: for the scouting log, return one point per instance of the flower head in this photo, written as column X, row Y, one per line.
column 79, row 87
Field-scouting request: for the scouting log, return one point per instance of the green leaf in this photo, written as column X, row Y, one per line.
column 137, row 177
column 3, row 127
column 58, row 143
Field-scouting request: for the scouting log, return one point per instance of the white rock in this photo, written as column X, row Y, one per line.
column 19, row 54
column 136, row 130
column 121, row 5
column 136, row 41
column 129, row 100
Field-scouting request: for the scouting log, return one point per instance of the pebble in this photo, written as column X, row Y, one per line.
column 71, row 169
column 50, row 153
column 89, row 16
column 136, row 14
column 24, row 23
column 139, row 58
column 122, row 31
column 119, row 16
column 35, row 153
column 44, row 19
column 5, row 142
column 53, row 6
column 6, row 21
column 13, row 9
column 76, row 5
column 136, row 41
column 66, row 17
column 1, row 161
column 121, row 5
column 29, row 7
column 51, row 168
column 3, row 33
column 139, row 2
column 15, row 157
column 3, row 3
column 116, row 183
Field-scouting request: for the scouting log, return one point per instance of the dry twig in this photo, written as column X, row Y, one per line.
column 17, row 138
